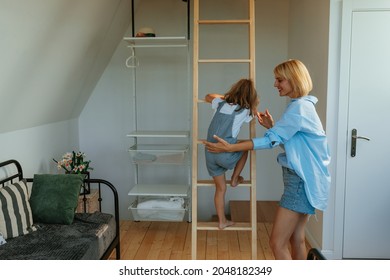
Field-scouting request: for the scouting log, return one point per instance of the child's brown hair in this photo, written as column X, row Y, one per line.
column 244, row 94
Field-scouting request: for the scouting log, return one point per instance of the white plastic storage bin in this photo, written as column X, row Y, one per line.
column 158, row 154
column 158, row 209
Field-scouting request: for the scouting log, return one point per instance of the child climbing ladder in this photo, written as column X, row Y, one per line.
column 232, row 110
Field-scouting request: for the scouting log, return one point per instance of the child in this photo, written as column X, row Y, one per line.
column 234, row 108
column 304, row 161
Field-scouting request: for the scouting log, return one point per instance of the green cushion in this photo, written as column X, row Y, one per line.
column 54, row 197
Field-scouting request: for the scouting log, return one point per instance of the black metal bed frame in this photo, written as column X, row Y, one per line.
column 115, row 244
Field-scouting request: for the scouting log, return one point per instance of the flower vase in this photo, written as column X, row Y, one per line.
column 85, row 188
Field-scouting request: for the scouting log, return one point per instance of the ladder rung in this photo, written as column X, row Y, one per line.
column 231, row 60
column 224, row 21
column 210, row 183
column 214, row 226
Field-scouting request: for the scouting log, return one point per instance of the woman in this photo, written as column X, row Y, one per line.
column 304, row 161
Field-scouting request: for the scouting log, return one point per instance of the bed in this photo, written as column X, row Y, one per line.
column 89, row 236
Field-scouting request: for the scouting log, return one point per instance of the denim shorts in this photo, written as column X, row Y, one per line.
column 294, row 196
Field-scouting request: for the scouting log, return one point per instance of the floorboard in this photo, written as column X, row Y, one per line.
column 147, row 240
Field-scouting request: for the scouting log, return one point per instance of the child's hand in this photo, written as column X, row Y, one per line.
column 265, row 119
column 210, row 96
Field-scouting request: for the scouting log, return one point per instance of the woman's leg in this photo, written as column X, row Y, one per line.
column 219, row 200
column 288, row 225
column 236, row 178
column 298, row 239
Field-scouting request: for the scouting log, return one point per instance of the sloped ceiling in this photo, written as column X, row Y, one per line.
column 52, row 53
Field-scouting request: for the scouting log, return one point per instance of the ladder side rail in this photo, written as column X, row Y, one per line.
column 195, row 130
column 252, row 131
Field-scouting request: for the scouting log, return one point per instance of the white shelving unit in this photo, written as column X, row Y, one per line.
column 160, row 198
column 160, row 201
column 157, row 42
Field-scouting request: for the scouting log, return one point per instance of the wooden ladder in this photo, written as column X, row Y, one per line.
column 251, row 183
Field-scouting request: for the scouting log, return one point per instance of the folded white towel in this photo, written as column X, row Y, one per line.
column 160, row 215
column 166, row 203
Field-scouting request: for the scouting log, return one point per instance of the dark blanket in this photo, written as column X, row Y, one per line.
column 79, row 241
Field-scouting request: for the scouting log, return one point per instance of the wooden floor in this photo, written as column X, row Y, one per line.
column 172, row 240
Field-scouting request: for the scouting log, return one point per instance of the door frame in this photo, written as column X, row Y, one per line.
column 337, row 116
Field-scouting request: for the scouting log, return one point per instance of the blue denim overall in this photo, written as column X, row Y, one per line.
column 221, row 125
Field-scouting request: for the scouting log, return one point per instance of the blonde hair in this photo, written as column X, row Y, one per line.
column 244, row 94
column 296, row 73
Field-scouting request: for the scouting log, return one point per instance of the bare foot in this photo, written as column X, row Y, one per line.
column 236, row 181
column 226, row 224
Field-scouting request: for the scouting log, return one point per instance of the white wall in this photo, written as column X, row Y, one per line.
column 35, row 147
column 308, row 42
column 104, row 123
column 52, row 54
column 108, row 116
column 271, row 49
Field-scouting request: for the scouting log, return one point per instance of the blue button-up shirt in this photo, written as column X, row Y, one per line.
column 300, row 131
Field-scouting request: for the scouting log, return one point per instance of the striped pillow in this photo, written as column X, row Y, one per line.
column 15, row 212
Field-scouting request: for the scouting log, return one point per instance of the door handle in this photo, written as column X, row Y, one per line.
column 353, row 141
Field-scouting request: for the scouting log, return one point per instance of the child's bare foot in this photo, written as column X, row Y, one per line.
column 236, row 181
column 226, row 224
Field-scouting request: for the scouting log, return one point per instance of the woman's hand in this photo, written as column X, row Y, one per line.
column 221, row 146
column 265, row 119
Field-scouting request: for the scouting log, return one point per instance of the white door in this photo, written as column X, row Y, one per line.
column 367, row 190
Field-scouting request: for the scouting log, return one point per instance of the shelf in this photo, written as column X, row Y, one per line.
column 162, row 190
column 163, row 148
column 161, row 134
column 156, row 42
column 158, row 153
